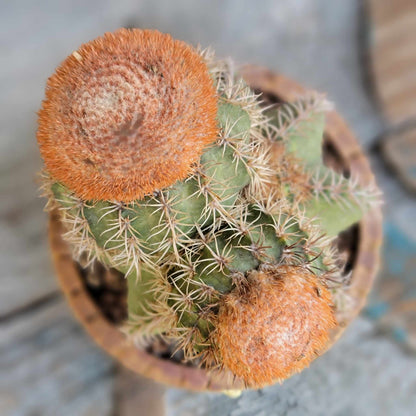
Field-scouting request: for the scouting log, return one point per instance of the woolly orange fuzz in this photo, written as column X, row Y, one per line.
column 127, row 114
column 275, row 326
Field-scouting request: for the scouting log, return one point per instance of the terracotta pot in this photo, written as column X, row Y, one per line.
column 348, row 155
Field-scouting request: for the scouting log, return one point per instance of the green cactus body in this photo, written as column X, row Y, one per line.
column 183, row 248
column 300, row 126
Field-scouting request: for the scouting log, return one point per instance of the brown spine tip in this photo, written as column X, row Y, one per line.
column 126, row 114
column 275, row 326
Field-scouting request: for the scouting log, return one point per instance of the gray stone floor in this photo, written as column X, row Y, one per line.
column 48, row 366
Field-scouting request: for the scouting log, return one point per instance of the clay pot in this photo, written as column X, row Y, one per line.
column 342, row 151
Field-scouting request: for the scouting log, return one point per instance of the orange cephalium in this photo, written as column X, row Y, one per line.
column 275, row 325
column 126, row 114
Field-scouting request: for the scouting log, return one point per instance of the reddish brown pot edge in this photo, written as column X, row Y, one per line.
column 108, row 336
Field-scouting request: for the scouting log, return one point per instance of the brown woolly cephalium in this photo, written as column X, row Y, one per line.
column 126, row 114
column 275, row 325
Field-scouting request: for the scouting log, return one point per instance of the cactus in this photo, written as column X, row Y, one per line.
column 220, row 213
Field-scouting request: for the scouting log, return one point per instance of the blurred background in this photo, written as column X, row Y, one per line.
column 361, row 53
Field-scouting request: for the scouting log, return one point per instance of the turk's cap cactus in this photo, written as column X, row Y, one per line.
column 219, row 212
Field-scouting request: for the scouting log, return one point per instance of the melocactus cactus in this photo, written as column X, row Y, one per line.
column 220, row 212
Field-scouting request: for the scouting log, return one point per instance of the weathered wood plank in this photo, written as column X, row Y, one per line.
column 24, row 255
column 393, row 56
column 135, row 395
column 48, row 366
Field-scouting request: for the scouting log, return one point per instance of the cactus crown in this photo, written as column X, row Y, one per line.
column 220, row 213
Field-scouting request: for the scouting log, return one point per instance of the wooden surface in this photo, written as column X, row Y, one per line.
column 392, row 47
column 27, row 279
column 48, row 365
column 135, row 396
column 45, row 356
